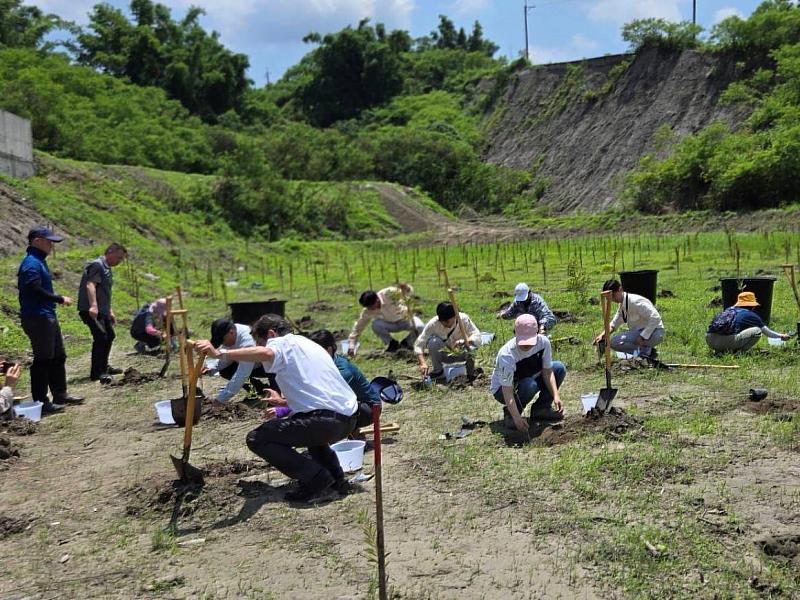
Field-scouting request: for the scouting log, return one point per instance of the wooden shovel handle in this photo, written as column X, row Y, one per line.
column 461, row 327
column 191, row 400
column 605, row 301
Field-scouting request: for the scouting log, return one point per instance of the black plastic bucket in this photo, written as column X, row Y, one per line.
column 760, row 286
column 248, row 313
column 643, row 283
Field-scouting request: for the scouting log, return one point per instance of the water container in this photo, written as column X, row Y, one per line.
column 29, row 410
column 760, row 286
column 164, row 412
column 453, row 371
column 644, row 283
column 589, row 401
column 344, row 345
column 350, row 454
column 486, row 337
column 248, row 313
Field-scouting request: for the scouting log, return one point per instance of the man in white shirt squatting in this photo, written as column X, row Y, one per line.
column 442, row 332
column 323, row 406
column 524, row 367
column 645, row 327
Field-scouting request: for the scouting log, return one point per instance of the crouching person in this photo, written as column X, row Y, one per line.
column 524, row 367
column 738, row 328
column 13, row 372
column 322, row 405
column 445, row 342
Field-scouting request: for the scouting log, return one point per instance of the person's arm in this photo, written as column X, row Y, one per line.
column 359, row 384
column 419, row 348
column 511, row 404
column 7, row 392
column 617, row 320
column 359, row 326
column 232, row 388
column 254, row 354
column 511, row 312
column 473, row 333
column 91, row 295
column 774, row 334
column 34, row 284
column 653, row 318
column 550, row 381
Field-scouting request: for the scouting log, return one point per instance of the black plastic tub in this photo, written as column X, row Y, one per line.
column 761, row 286
column 248, row 313
column 644, row 283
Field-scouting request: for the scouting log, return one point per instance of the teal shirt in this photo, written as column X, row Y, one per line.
column 356, row 380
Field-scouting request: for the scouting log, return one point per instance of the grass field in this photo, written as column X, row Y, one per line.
column 693, row 493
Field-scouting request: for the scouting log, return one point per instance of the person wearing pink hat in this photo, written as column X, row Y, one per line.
column 524, row 367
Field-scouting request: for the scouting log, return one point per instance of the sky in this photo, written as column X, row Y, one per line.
column 270, row 32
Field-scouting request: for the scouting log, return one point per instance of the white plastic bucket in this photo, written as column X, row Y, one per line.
column 624, row 356
column 350, row 454
column 164, row 412
column 776, row 341
column 29, row 410
column 486, row 337
column 589, row 401
column 345, row 346
column 453, row 371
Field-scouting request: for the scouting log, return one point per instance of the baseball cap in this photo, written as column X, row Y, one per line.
column 219, row 329
column 521, row 292
column 388, row 390
column 40, row 231
column 746, row 299
column 526, row 329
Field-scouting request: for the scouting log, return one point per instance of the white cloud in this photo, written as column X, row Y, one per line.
column 623, row 11
column 467, row 7
column 581, row 42
column 724, row 13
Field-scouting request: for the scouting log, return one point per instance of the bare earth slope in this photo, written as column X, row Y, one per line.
column 582, row 138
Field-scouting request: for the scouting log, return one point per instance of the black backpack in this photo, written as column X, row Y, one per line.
column 724, row 323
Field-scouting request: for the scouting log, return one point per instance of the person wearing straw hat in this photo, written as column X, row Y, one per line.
column 442, row 334
column 528, row 303
column 738, row 328
column 524, row 367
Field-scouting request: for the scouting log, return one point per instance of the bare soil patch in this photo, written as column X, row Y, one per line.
column 18, row 426
column 10, row 525
column 133, row 377
column 613, row 425
column 7, row 448
column 245, row 410
column 773, row 405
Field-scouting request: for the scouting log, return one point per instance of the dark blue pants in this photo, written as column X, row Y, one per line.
column 48, row 369
column 525, row 389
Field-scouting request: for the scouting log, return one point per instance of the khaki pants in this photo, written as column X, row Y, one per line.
column 737, row 342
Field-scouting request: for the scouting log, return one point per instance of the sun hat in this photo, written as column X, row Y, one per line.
column 746, row 299
column 526, row 329
column 521, row 292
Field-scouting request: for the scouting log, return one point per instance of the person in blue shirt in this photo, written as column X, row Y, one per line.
column 37, row 309
column 365, row 395
column 746, row 328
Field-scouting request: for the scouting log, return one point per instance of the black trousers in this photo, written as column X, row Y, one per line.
column 102, row 337
column 258, row 372
column 48, row 369
column 275, row 441
column 364, row 414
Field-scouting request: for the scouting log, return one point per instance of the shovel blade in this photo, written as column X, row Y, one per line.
column 606, row 398
column 186, row 472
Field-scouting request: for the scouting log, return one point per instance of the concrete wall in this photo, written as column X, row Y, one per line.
column 16, row 145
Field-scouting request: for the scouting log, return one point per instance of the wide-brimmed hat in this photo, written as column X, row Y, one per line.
column 526, row 329
column 746, row 299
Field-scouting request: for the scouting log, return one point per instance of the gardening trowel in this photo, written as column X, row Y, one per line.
column 607, row 393
column 187, row 472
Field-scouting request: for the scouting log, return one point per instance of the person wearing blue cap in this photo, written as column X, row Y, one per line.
column 37, row 309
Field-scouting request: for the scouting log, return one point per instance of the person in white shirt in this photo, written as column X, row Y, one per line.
column 389, row 312
column 323, row 407
column 13, row 372
column 524, row 367
column 442, row 332
column 645, row 327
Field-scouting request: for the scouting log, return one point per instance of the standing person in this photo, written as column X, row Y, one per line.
column 144, row 326
column 738, row 328
column 366, row 396
column 645, row 327
column 442, row 332
column 94, row 308
column 391, row 313
column 37, row 304
column 323, row 406
column 528, row 303
column 230, row 336
column 524, row 367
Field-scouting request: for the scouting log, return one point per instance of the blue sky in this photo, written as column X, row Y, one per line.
column 270, row 31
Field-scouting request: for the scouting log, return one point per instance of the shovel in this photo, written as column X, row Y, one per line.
column 187, row 472
column 607, row 393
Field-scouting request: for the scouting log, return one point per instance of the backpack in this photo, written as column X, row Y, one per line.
column 724, row 323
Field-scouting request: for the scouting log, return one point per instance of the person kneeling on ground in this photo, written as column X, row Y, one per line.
column 13, row 372
column 528, row 303
column 645, row 327
column 389, row 312
column 143, row 327
column 737, row 328
column 323, row 406
column 523, row 367
column 366, row 396
column 442, row 332
column 228, row 335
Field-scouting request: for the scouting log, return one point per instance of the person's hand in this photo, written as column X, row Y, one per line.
column 205, row 371
column 459, row 344
column 93, row 312
column 350, row 352
column 521, row 423
column 13, row 374
column 557, row 404
column 599, row 337
column 67, row 301
column 785, row 337
column 207, row 347
column 404, row 287
column 273, row 398
column 270, row 414
column 423, row 368
column 113, row 317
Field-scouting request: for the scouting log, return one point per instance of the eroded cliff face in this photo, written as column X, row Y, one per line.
column 582, row 126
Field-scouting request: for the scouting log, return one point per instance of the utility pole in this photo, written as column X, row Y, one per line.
column 694, row 12
column 525, row 10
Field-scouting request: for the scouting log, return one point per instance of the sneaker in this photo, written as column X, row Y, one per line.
column 393, row 346
column 114, row 371
column 406, row 345
column 437, row 376
column 653, row 354
column 546, row 413
column 104, row 379
column 49, row 408
column 140, row 347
